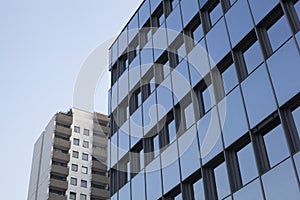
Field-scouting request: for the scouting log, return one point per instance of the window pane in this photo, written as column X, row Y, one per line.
column 189, row 152
column 233, row 118
column 149, row 112
column 280, row 183
column 136, row 126
column 153, row 180
column 215, row 14
column 258, row 96
column 138, row 187
column 230, row 79
column 209, row 136
column 260, row 8
column 297, row 163
column 155, row 145
column 198, row 190
column 238, row 26
column 217, row 42
column 189, row 9
column 274, row 139
column 174, row 24
column 124, row 192
column 172, row 131
column 189, row 115
column 221, row 179
column 249, row 192
column 197, row 33
column 296, row 116
column 279, row 33
column 247, row 164
column 170, row 168
column 284, row 70
column 144, row 13
column 208, row 98
column 253, row 57
column 178, row 197
column 164, row 98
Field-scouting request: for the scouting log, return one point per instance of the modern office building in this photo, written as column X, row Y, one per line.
column 205, row 103
column 70, row 158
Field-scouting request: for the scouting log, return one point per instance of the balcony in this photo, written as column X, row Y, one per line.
column 64, row 119
column 63, row 144
column 96, row 178
column 58, row 184
column 99, row 166
column 53, row 196
column 60, row 156
column 99, row 193
column 63, row 131
column 56, row 169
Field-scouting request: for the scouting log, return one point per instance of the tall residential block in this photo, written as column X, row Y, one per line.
column 70, row 158
column 204, row 101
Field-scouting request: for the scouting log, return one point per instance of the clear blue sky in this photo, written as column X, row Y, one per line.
column 42, row 47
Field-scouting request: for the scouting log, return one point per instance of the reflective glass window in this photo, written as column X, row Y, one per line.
column 189, row 9
column 217, row 42
column 73, row 181
column 249, row 192
column 274, row 139
column 198, row 190
column 133, row 27
column 296, row 116
column 253, row 57
column 149, row 112
column 144, row 13
column 189, row 115
column 124, row 192
column 155, row 142
column 279, row 32
column 297, row 8
column 154, row 4
column 138, row 187
column 221, row 180
column 284, row 70
column 208, row 98
column 153, row 180
column 238, row 26
column 124, row 137
column 258, row 96
column 164, row 98
column 189, row 152
column 76, row 141
column 174, row 3
column 197, row 33
column 232, row 116
column 281, row 183
column 230, row 79
column 171, row 131
column 114, row 149
column 170, row 168
column 209, row 136
column 174, row 24
column 215, row 13
column 260, row 8
column 247, row 164
column 136, row 126
column 178, row 197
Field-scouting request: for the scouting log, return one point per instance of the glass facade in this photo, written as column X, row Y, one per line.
column 211, row 101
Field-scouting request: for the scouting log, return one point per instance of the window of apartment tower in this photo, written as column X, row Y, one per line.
column 85, row 156
column 194, row 31
column 83, row 183
column 85, row 144
column 73, row 181
column 84, row 170
column 75, row 141
column 76, row 129
column 74, row 167
column 75, row 154
column 122, row 64
column 86, row 132
column 198, row 190
column 82, row 196
column 72, row 196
